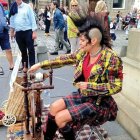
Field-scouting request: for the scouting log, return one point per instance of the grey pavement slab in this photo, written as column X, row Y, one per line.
column 62, row 82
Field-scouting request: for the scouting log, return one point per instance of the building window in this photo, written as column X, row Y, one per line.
column 118, row 3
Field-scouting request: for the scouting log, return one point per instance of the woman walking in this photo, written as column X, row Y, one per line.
column 72, row 29
column 47, row 20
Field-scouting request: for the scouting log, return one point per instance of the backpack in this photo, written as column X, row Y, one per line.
column 3, row 23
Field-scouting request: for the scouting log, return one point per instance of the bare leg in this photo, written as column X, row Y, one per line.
column 62, row 118
column 57, row 106
column 9, row 57
column 51, row 125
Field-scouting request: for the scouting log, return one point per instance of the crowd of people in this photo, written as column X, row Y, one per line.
column 120, row 22
column 65, row 29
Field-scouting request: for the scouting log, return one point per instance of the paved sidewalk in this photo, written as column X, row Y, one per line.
column 115, row 131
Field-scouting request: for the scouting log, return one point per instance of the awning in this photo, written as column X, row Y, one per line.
column 4, row 3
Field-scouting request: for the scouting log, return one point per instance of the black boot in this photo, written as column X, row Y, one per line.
column 51, row 128
column 67, row 133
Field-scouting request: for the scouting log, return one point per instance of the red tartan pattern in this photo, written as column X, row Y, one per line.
column 82, row 131
column 82, row 108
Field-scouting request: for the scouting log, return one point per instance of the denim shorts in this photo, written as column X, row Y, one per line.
column 4, row 40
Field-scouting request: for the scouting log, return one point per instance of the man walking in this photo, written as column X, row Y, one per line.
column 4, row 38
column 23, row 26
column 59, row 25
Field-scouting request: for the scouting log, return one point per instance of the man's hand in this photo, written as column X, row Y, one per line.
column 82, row 85
column 34, row 35
column 34, row 68
column 12, row 33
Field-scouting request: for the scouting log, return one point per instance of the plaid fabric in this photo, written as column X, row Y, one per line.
column 91, row 132
column 105, row 76
column 82, row 130
column 82, row 108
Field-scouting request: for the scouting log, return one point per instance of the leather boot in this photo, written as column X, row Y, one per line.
column 51, row 128
column 67, row 133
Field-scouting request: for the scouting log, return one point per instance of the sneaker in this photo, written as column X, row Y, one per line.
column 1, row 71
column 20, row 70
column 68, row 51
column 53, row 53
column 11, row 68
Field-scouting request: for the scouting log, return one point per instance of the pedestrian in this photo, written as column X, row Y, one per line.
column 6, row 11
column 98, row 76
column 102, row 13
column 23, row 28
column 59, row 25
column 112, row 30
column 47, row 19
column 117, row 20
column 127, row 28
column 65, row 29
column 133, row 18
column 4, row 38
column 72, row 29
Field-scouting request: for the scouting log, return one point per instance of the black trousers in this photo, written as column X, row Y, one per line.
column 26, row 46
column 47, row 28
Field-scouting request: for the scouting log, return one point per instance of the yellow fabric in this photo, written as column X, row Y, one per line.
column 71, row 26
column 104, row 77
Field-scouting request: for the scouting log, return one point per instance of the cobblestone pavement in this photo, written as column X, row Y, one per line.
column 117, row 44
column 49, row 42
column 116, row 132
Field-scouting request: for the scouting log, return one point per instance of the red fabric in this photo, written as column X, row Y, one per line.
column 4, row 3
column 87, row 68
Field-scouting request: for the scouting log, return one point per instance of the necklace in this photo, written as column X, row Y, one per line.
column 95, row 54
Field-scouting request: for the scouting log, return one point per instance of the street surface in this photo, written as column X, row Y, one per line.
column 62, row 82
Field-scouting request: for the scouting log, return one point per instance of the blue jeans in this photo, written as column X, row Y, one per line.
column 4, row 40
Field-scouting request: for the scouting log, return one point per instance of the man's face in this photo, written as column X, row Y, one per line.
column 53, row 6
column 18, row 2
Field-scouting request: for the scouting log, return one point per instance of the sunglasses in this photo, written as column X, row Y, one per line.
column 74, row 5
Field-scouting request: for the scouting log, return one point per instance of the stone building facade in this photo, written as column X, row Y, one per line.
column 124, row 6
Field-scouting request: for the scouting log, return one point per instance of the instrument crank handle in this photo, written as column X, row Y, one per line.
column 38, row 88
